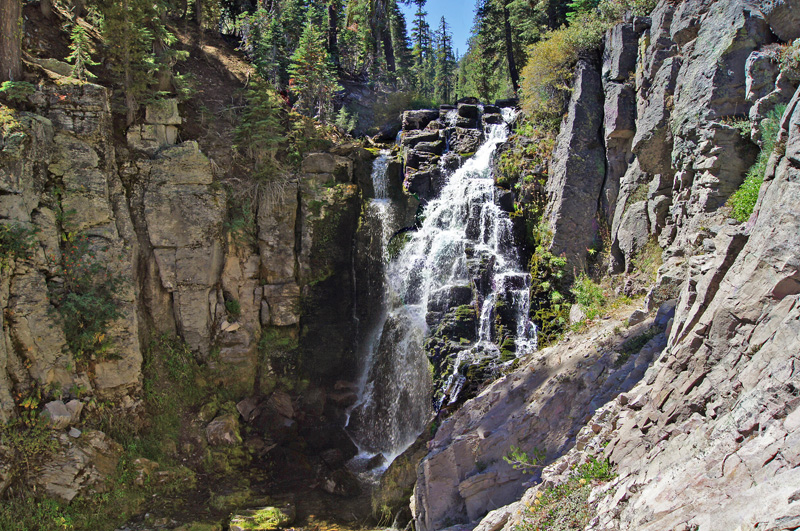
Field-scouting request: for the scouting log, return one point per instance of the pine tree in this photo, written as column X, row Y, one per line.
column 312, row 74
column 445, row 63
column 260, row 133
column 79, row 56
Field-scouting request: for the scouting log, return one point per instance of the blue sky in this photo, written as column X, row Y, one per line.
column 457, row 13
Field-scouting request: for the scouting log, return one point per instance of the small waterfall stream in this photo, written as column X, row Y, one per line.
column 463, row 228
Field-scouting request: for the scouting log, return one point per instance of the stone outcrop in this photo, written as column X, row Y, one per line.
column 540, row 406
column 578, row 170
column 705, row 437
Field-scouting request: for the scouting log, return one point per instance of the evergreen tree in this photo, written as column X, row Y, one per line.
column 312, row 74
column 260, row 133
column 80, row 56
column 445, row 65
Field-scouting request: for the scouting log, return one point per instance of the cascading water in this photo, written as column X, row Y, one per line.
column 462, row 227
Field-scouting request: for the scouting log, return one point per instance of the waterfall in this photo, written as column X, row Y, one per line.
column 464, row 230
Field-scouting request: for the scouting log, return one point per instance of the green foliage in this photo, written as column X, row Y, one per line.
column 345, row 120
column 28, row 437
column 80, row 56
column 86, row 294
column 233, row 308
column 566, row 506
column 589, row 296
column 533, row 145
column 16, row 242
column 240, row 222
column 312, row 74
column 260, row 133
column 547, row 76
column 789, row 58
column 520, row 460
column 743, row 201
column 16, row 91
column 549, row 308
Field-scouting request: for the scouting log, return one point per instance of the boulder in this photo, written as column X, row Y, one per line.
column 164, row 111
column 223, row 431
column 469, row 111
column 783, row 17
column 418, row 119
column 57, row 415
column 85, row 464
column 449, row 297
column 412, row 138
column 466, row 140
column 264, row 518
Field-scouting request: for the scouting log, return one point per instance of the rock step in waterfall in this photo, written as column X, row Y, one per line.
column 457, row 300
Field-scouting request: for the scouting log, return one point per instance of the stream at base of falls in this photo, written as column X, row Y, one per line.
column 462, row 259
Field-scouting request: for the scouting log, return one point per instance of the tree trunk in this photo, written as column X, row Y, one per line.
column 46, row 6
column 333, row 27
column 388, row 51
column 198, row 7
column 512, row 66
column 10, row 40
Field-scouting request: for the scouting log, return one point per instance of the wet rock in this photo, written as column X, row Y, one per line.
column 508, row 102
column 223, row 431
column 74, row 433
column 466, row 140
column 431, row 147
column 419, row 159
column 413, row 138
column 341, row 482
column 449, row 297
column 418, row 119
column 470, row 111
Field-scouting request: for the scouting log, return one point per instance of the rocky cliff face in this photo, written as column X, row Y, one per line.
column 705, row 437
column 150, row 213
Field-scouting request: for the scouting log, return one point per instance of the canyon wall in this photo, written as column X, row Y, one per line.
column 699, row 424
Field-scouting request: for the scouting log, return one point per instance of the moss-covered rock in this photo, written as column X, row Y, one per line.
column 263, row 519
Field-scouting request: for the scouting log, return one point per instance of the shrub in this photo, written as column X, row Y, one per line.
column 589, row 295
column 547, row 76
column 87, row 299
column 16, row 91
column 566, row 506
column 16, row 241
column 233, row 308
column 743, row 201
